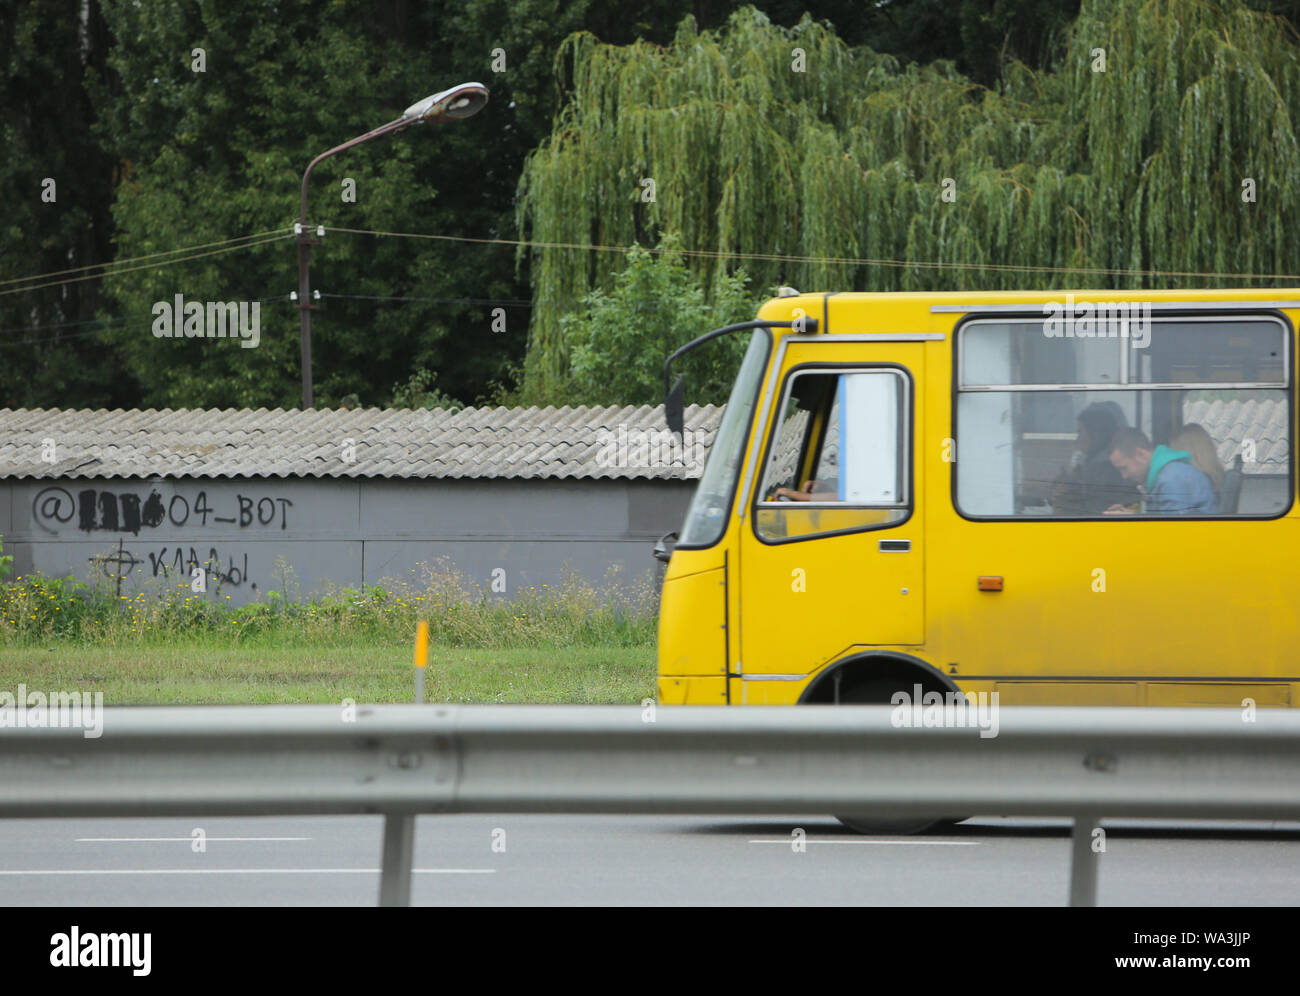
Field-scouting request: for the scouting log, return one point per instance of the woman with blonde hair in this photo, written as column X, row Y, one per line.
column 1195, row 441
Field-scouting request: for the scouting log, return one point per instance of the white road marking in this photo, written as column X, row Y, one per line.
column 240, row 871
column 188, row 840
column 919, row 843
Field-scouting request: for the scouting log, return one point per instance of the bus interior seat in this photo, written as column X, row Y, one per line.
column 1232, row 487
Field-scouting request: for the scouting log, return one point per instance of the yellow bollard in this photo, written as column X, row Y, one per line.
column 421, row 658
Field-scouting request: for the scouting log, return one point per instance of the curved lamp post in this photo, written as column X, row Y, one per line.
column 449, row 105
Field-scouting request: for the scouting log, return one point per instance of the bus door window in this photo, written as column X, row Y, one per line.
column 837, row 458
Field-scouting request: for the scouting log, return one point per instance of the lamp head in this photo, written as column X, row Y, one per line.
column 461, row 101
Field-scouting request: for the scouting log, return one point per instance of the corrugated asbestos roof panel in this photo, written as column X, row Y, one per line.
column 371, row 442
column 526, row 443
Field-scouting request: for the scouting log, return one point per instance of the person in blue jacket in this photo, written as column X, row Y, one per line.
column 1171, row 484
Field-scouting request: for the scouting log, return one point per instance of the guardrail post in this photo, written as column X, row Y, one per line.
column 1083, row 862
column 395, row 875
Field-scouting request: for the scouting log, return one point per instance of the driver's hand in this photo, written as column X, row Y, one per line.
column 789, row 494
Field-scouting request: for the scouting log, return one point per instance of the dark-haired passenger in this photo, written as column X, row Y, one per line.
column 1091, row 484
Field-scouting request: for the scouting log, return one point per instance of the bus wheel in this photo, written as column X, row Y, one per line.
column 902, row 826
column 877, row 692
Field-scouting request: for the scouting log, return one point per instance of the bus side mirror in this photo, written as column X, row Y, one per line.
column 664, row 548
column 673, row 409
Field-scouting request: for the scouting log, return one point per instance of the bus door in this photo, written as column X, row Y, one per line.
column 832, row 549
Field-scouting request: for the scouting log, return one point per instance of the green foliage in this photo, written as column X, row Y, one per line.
column 6, row 562
column 34, row 606
column 48, row 346
column 981, row 37
column 420, row 391
column 1054, row 165
column 618, row 612
column 1057, row 178
column 219, row 154
column 619, row 339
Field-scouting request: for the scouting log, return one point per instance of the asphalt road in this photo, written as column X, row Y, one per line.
column 636, row 860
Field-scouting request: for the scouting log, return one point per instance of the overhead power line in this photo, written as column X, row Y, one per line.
column 829, row 260
column 132, row 324
column 190, row 253
column 260, row 240
column 136, row 259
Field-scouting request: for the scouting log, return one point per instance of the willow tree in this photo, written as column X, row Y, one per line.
column 1164, row 141
column 1194, row 116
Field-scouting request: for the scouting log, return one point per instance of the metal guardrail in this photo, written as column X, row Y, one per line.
column 400, row 761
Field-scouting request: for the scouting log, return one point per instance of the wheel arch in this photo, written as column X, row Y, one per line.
column 869, row 665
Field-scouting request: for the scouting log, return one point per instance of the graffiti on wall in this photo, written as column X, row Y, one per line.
column 127, row 512
column 120, row 564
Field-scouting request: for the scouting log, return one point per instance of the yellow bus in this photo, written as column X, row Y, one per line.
column 1066, row 499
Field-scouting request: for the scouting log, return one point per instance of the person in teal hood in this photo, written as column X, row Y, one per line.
column 1171, row 484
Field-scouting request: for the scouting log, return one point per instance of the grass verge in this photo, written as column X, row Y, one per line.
column 165, row 643
column 363, row 672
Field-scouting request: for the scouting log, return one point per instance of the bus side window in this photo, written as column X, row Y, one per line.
column 1036, row 414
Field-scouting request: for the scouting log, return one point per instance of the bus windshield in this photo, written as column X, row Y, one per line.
column 707, row 516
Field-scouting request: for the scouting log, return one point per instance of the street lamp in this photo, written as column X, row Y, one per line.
column 449, row 105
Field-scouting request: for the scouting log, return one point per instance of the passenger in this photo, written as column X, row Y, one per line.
column 1196, row 441
column 1092, row 484
column 1166, row 476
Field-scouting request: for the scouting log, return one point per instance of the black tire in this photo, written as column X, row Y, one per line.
column 902, row 826
column 877, row 692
